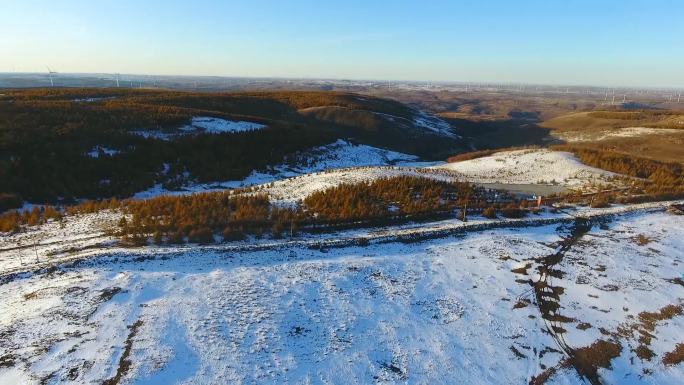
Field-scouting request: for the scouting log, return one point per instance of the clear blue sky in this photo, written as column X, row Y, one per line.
column 603, row 42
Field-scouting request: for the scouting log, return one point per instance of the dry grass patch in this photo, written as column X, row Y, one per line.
column 589, row 359
column 641, row 240
column 674, row 357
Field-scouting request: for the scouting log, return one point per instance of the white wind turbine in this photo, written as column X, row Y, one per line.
column 50, row 73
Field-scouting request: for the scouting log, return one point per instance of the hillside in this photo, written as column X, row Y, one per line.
column 65, row 144
column 655, row 134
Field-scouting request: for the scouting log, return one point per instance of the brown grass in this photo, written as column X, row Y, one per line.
column 587, row 360
column 674, row 357
column 641, row 240
column 650, row 319
column 644, row 352
column 470, row 155
column 602, row 120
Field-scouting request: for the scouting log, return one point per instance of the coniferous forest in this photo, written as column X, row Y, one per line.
column 48, row 136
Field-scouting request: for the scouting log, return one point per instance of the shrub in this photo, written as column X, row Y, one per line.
column 600, row 202
column 512, row 211
column 489, row 212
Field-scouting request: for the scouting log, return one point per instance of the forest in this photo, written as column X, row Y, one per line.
column 46, row 136
column 233, row 215
column 388, row 197
column 199, row 218
column 657, row 180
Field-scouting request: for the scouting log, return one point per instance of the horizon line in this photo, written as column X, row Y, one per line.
column 442, row 82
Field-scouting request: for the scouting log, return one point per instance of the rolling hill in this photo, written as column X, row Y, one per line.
column 66, row 144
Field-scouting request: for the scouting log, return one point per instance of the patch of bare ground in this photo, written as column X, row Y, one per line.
column 650, row 319
column 542, row 377
column 124, row 361
column 674, row 357
column 586, row 361
column 644, row 353
column 522, row 269
column 583, row 326
column 589, row 359
column 7, row 361
column 641, row 240
column 644, row 330
column 521, row 303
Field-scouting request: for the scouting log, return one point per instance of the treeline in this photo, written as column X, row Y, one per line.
column 483, row 153
column 204, row 217
column 232, row 215
column 13, row 220
column 224, row 216
column 634, row 115
column 198, row 218
column 659, row 180
column 387, row 197
column 471, row 155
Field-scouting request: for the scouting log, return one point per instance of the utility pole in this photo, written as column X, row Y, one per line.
column 35, row 251
column 465, row 208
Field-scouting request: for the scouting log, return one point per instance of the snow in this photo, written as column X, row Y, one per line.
column 211, row 125
column 95, row 151
column 156, row 134
column 91, row 100
column 395, row 312
column 425, row 121
column 540, row 166
column 324, row 167
column 433, row 123
column 201, row 125
column 421, row 303
column 627, row 132
column 289, row 191
column 337, row 155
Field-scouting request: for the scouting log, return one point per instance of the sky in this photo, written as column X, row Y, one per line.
column 597, row 42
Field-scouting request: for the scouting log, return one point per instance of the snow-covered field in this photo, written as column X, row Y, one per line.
column 201, row 125
column 288, row 191
column 539, row 166
column 433, row 123
column 97, row 150
column 209, row 125
column 628, row 132
column 460, row 309
column 544, row 299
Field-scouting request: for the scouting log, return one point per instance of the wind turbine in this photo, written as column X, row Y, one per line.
column 50, row 72
column 117, row 79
